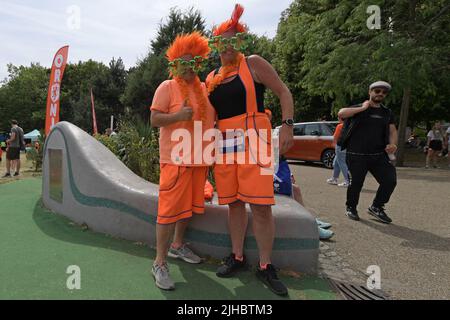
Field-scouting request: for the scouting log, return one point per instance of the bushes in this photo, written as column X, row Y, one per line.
column 136, row 145
column 36, row 154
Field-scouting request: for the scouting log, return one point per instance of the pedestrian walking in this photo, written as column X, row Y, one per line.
column 369, row 135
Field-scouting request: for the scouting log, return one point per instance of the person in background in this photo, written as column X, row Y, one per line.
column 324, row 233
column 434, row 143
column 110, row 133
column 294, row 191
column 447, row 139
column 340, row 162
column 370, row 137
column 15, row 144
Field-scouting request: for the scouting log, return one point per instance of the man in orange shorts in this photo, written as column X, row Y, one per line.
column 180, row 106
column 236, row 91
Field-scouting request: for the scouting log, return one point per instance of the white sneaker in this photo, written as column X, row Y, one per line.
column 344, row 184
column 332, row 181
column 162, row 277
column 185, row 254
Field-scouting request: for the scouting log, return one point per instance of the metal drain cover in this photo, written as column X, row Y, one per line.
column 355, row 292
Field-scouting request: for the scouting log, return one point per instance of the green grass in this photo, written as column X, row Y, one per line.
column 38, row 246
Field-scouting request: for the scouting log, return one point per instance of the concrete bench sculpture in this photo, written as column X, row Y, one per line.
column 85, row 182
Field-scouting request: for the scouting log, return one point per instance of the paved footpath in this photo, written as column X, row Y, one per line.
column 413, row 252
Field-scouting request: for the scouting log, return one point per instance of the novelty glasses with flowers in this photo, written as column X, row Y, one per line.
column 179, row 66
column 239, row 42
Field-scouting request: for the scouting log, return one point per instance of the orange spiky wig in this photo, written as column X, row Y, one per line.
column 233, row 23
column 196, row 45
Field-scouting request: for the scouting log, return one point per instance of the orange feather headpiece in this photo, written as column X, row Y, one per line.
column 233, row 23
column 230, row 24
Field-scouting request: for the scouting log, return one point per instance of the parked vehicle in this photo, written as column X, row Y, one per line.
column 313, row 141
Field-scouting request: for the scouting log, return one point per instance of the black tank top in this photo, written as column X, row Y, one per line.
column 229, row 99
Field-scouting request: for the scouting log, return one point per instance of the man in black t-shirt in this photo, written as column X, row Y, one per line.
column 370, row 138
column 15, row 144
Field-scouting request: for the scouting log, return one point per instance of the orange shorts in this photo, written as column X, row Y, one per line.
column 181, row 192
column 243, row 182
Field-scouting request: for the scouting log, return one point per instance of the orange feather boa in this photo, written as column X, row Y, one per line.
column 198, row 93
column 223, row 73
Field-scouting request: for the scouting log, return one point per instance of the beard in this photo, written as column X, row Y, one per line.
column 377, row 99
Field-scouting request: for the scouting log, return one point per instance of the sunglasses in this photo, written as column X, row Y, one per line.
column 240, row 42
column 378, row 91
column 180, row 66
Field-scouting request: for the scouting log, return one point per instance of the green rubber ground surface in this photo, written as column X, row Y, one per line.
column 38, row 246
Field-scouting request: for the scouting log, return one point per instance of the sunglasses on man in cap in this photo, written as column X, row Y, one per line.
column 380, row 91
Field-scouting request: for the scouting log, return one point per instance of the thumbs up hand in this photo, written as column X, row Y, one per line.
column 186, row 113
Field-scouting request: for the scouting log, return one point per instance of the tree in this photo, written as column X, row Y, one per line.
column 340, row 56
column 23, row 95
column 107, row 83
column 117, row 80
column 145, row 78
column 177, row 22
column 288, row 60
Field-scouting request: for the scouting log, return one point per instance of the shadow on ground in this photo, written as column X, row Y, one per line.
column 364, row 190
column 413, row 238
column 431, row 175
column 200, row 280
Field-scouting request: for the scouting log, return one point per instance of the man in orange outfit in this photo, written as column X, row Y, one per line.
column 236, row 91
column 180, row 105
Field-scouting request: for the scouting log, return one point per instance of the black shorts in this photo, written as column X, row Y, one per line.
column 13, row 153
column 436, row 145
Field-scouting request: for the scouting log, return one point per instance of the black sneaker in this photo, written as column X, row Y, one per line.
column 379, row 214
column 7, row 175
column 270, row 279
column 230, row 266
column 16, row 174
column 352, row 213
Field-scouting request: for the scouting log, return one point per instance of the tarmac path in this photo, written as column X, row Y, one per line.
column 413, row 252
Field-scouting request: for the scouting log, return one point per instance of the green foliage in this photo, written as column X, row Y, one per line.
column 36, row 155
column 142, row 84
column 288, row 61
column 23, row 97
column 176, row 23
column 328, row 51
column 145, row 78
column 111, row 143
column 107, row 83
column 136, row 145
column 323, row 51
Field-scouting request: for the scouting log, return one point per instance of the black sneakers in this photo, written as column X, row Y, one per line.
column 16, row 174
column 379, row 214
column 270, row 279
column 7, row 175
column 230, row 266
column 268, row 276
column 352, row 213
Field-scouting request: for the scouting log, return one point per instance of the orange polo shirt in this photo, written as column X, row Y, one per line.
column 169, row 99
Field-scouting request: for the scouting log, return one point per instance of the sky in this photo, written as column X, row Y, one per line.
column 32, row 31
